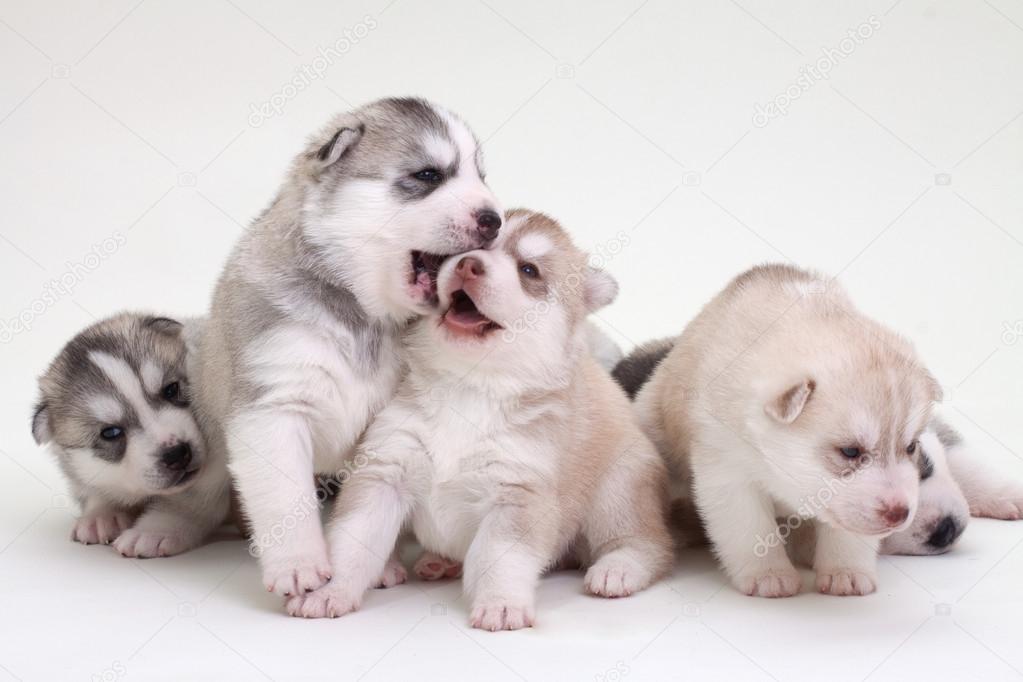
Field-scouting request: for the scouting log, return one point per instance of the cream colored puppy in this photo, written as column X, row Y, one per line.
column 784, row 401
column 508, row 447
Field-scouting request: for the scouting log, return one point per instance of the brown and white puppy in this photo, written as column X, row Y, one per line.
column 114, row 408
column 782, row 400
column 508, row 447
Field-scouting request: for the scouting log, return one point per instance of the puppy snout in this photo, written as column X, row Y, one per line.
column 470, row 268
column 177, row 457
column 894, row 514
column 488, row 222
column 945, row 533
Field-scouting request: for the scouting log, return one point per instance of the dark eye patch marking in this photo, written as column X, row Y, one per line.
column 409, row 188
column 925, row 465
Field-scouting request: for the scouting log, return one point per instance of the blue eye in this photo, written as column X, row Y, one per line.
column 111, row 433
column 851, row 453
column 529, row 270
column 430, row 175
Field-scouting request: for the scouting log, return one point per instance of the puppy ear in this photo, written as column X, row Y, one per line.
column 163, row 325
column 343, row 140
column 935, row 391
column 789, row 405
column 41, row 424
column 599, row 289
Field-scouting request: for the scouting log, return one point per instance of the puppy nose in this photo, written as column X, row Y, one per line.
column 177, row 457
column 470, row 268
column 488, row 222
column 945, row 533
column 894, row 514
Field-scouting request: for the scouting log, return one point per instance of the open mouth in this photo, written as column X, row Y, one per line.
column 423, row 277
column 463, row 317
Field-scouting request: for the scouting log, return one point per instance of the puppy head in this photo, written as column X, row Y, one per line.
column 391, row 190
column 845, row 437
column 518, row 309
column 942, row 513
column 114, row 406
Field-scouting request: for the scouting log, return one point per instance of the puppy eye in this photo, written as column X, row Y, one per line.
column 111, row 433
column 851, row 453
column 529, row 270
column 430, row 175
column 911, row 448
column 171, row 391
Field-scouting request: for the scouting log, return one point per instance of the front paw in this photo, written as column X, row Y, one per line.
column 330, row 601
column 616, row 575
column 432, row 566
column 502, row 614
column 146, row 544
column 770, row 582
column 394, row 574
column 1006, row 509
column 100, row 528
column 844, row 582
column 296, row 574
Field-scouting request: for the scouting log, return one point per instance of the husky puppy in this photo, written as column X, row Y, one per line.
column 782, row 400
column 945, row 463
column 114, row 409
column 508, row 447
column 301, row 347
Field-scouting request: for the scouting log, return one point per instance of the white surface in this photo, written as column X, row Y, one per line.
column 903, row 172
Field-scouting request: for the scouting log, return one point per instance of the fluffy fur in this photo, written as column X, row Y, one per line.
column 114, row 409
column 782, row 400
column 301, row 348
column 507, row 447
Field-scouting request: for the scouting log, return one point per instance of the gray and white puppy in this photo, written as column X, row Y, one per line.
column 954, row 483
column 114, row 408
column 302, row 344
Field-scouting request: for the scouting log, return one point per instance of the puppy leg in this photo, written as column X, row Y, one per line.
column 989, row 493
column 362, row 533
column 177, row 523
column 626, row 529
column 271, row 457
column 511, row 549
column 101, row 522
column 846, row 563
column 741, row 526
column 394, row 572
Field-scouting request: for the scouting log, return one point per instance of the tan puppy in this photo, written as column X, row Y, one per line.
column 783, row 400
column 508, row 447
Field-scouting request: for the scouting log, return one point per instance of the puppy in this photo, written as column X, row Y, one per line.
column 508, row 447
column 945, row 462
column 301, row 346
column 114, row 409
column 782, row 400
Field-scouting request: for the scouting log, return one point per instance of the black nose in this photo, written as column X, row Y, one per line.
column 177, row 457
column 945, row 533
column 488, row 222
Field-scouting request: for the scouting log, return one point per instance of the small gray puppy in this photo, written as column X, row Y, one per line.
column 114, row 409
column 302, row 346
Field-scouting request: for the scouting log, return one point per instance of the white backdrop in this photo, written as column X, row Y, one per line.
column 881, row 141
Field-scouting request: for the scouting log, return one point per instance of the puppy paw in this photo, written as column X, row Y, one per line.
column 1006, row 509
column 100, row 528
column 296, row 575
column 844, row 582
column 330, row 601
column 501, row 614
column 771, row 582
column 146, row 544
column 394, row 574
column 430, row 566
column 616, row 575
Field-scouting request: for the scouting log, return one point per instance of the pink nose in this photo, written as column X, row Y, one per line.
column 470, row 268
column 894, row 514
